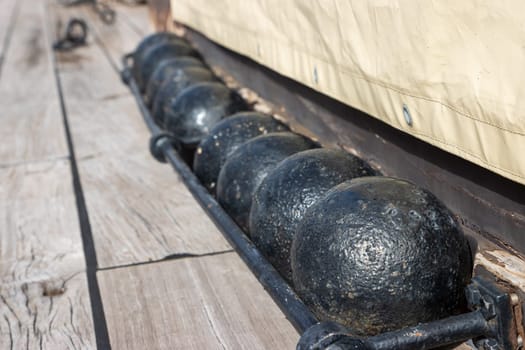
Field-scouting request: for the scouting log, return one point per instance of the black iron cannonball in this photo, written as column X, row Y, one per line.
column 156, row 54
column 165, row 69
column 198, row 108
column 225, row 138
column 174, row 85
column 292, row 187
column 148, row 42
column 248, row 166
column 156, row 38
column 377, row 254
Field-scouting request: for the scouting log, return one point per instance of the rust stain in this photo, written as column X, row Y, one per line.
column 53, row 291
column 113, row 96
column 520, row 322
column 493, row 259
column 70, row 57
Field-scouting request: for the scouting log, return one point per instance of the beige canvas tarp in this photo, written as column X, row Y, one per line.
column 457, row 66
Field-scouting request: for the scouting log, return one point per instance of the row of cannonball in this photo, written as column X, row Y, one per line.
column 371, row 252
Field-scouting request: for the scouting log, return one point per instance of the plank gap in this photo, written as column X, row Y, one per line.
column 14, row 164
column 177, row 256
column 97, row 310
column 213, row 302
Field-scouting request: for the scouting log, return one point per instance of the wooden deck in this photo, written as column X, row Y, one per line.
column 100, row 245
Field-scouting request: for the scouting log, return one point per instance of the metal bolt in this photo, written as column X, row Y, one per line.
column 406, row 114
column 488, row 308
column 491, row 344
column 473, row 296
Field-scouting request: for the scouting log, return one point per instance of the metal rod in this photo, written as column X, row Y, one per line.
column 451, row 330
column 294, row 309
column 281, row 292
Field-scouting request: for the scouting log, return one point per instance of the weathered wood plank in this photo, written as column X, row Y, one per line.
column 87, row 75
column 504, row 265
column 50, row 314
column 39, row 225
column 44, row 301
column 39, row 232
column 137, row 18
column 110, row 125
column 140, row 211
column 121, row 37
column 43, row 293
column 8, row 17
column 30, row 114
column 210, row 302
column 103, row 115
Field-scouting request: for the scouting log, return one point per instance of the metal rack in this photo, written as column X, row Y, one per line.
column 491, row 320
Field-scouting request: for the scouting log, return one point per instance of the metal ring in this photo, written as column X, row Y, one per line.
column 76, row 35
column 157, row 142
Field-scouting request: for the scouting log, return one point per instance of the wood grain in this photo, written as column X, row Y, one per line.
column 121, row 37
column 87, row 75
column 137, row 19
column 195, row 303
column 44, row 302
column 102, row 113
column 86, row 72
column 31, row 119
column 39, row 225
column 50, row 314
column 140, row 211
column 8, row 16
column 105, row 126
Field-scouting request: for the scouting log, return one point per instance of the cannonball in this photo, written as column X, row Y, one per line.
column 292, row 187
column 378, row 254
column 173, row 86
column 156, row 54
column 164, row 70
column 248, row 166
column 198, row 108
column 225, row 138
column 156, row 38
column 148, row 42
